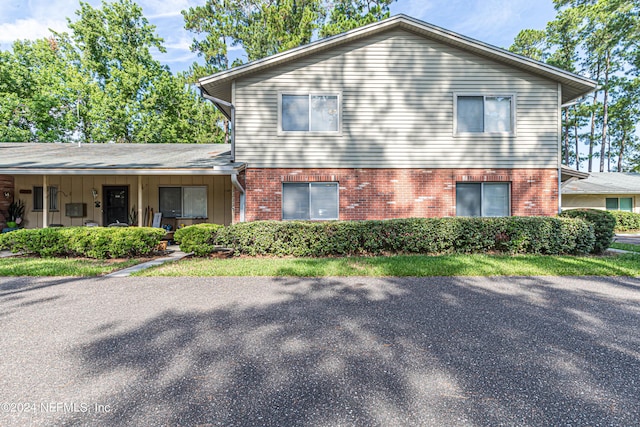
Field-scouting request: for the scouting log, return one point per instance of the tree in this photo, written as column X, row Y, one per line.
column 600, row 38
column 349, row 14
column 532, row 44
column 260, row 27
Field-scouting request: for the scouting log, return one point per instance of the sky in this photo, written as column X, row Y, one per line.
column 496, row 22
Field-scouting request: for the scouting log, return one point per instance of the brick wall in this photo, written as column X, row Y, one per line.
column 6, row 185
column 399, row 193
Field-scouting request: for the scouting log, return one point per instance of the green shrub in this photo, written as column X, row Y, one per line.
column 92, row 242
column 626, row 221
column 199, row 238
column 603, row 225
column 541, row 235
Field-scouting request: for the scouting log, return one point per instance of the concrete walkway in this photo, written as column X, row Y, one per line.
column 175, row 254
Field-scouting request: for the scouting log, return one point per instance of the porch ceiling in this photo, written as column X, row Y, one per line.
column 116, row 159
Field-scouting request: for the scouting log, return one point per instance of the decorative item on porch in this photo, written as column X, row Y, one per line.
column 16, row 212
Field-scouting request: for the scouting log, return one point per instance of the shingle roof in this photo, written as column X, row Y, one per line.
column 135, row 159
column 604, row 183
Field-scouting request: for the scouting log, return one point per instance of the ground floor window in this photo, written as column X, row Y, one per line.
column 183, row 202
column 310, row 200
column 620, row 204
column 483, row 199
column 38, row 199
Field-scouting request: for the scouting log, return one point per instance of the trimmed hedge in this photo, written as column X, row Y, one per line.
column 199, row 238
column 603, row 225
column 91, row 242
column 541, row 235
column 626, row 221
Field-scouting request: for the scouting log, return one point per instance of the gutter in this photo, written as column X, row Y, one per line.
column 232, row 118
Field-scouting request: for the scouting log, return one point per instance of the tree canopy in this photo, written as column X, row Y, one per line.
column 600, row 39
column 99, row 83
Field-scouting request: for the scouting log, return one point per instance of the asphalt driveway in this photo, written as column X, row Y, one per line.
column 307, row 352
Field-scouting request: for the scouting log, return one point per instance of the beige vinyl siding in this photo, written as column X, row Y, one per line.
column 77, row 189
column 397, row 93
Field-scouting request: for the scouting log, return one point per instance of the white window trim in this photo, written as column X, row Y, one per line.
column 337, row 185
column 182, row 187
column 514, row 108
column 309, row 132
column 482, row 184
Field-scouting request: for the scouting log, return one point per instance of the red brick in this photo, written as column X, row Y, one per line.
column 369, row 193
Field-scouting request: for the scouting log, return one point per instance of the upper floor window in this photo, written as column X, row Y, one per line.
column 484, row 114
column 310, row 112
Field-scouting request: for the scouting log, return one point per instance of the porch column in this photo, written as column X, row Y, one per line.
column 45, row 201
column 140, row 201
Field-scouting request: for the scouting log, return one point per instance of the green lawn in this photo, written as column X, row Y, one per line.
column 19, row 266
column 406, row 265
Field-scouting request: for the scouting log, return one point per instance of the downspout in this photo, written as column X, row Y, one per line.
column 238, row 186
column 559, row 148
column 232, row 118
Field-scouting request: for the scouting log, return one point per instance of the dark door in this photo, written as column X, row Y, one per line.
column 115, row 205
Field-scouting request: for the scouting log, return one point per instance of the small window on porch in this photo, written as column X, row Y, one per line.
column 38, row 199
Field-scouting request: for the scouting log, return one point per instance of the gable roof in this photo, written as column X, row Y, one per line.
column 36, row 158
column 604, row 183
column 573, row 86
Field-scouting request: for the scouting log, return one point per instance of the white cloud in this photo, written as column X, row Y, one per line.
column 29, row 29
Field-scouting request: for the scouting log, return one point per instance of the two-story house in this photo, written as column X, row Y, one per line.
column 395, row 119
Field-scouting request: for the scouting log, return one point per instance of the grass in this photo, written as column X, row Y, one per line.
column 406, row 265
column 28, row 266
column 626, row 247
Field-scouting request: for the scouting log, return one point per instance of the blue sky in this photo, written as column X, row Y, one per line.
column 492, row 21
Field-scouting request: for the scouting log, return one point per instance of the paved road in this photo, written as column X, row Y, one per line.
column 301, row 352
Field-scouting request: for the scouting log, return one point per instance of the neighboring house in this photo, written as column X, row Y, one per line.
column 396, row 119
column 111, row 183
column 603, row 190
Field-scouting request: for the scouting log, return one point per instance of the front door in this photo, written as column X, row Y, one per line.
column 115, row 205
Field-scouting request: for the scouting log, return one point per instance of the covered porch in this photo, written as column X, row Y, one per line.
column 104, row 184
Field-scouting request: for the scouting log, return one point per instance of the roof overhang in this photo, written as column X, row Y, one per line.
column 574, row 86
column 216, row 170
column 568, row 173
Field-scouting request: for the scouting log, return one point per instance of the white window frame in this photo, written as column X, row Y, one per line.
column 482, row 184
column 336, row 184
column 182, row 187
column 484, row 96
column 310, row 132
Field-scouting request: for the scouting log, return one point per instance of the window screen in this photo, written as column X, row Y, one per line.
column 295, row 201
column 315, row 200
column 489, row 199
column 470, row 114
column 295, row 112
